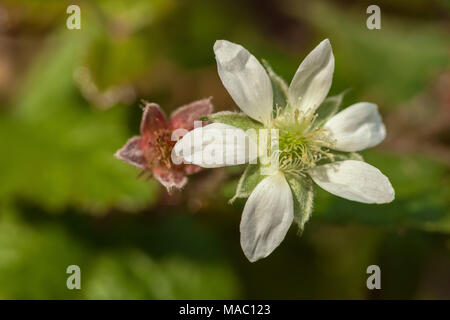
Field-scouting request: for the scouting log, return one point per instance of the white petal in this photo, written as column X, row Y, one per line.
column 354, row 180
column 245, row 79
column 313, row 78
column 267, row 216
column 215, row 145
column 357, row 127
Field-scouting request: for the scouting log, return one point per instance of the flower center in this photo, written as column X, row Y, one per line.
column 301, row 144
column 161, row 148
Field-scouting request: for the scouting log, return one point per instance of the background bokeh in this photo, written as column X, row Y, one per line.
column 70, row 98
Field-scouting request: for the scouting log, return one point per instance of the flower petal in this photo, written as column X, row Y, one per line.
column 267, row 216
column 185, row 116
column 170, row 178
column 132, row 153
column 216, row 145
column 245, row 79
column 153, row 120
column 191, row 169
column 357, row 127
column 313, row 78
column 354, row 180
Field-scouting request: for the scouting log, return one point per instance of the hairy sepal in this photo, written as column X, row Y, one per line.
column 279, row 88
column 328, row 108
column 302, row 189
column 248, row 181
column 235, row 119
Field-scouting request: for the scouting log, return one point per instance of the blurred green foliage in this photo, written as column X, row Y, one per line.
column 70, row 100
column 35, row 254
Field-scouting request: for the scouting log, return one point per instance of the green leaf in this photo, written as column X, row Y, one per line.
column 279, row 87
column 328, row 108
column 248, row 181
column 303, row 193
column 235, row 119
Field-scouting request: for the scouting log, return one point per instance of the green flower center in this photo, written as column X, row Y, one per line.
column 301, row 144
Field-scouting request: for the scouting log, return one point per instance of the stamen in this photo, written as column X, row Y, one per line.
column 301, row 145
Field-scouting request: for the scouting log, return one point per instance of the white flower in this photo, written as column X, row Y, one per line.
column 269, row 210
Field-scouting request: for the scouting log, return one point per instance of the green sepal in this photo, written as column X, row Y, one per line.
column 235, row 119
column 279, row 87
column 248, row 181
column 302, row 189
column 340, row 156
column 328, row 108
